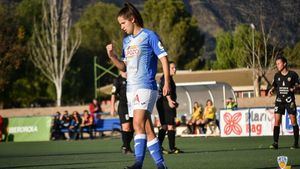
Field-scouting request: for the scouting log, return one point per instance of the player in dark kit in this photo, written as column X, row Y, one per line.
column 285, row 83
column 119, row 92
column 166, row 107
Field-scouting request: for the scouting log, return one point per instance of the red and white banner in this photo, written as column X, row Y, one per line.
column 233, row 123
column 253, row 122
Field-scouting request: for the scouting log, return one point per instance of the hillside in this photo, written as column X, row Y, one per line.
column 280, row 16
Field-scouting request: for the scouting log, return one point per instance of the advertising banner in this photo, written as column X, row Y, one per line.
column 234, row 123
column 261, row 122
column 29, row 129
column 253, row 122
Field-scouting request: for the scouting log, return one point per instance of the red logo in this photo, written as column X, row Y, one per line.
column 232, row 123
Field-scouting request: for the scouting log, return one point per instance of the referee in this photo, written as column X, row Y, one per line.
column 284, row 83
column 166, row 107
column 119, row 92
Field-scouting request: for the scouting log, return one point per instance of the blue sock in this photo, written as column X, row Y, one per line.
column 155, row 151
column 140, row 148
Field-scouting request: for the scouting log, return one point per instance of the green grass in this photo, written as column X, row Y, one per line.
column 200, row 152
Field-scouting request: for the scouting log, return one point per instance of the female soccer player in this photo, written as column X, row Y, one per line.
column 141, row 50
column 285, row 83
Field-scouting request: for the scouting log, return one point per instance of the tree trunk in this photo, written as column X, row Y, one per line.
column 256, row 86
column 58, row 87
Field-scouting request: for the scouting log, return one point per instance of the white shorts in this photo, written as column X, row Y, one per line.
column 141, row 99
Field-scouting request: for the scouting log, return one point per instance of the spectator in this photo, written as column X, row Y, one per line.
column 196, row 116
column 1, row 127
column 87, row 124
column 209, row 114
column 74, row 125
column 65, row 123
column 231, row 104
column 56, row 127
column 95, row 107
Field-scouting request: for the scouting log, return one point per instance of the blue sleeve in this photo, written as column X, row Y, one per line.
column 156, row 45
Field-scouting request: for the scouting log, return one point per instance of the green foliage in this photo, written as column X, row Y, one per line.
column 177, row 29
column 100, row 27
column 293, row 55
column 20, row 84
column 224, row 50
column 12, row 49
column 234, row 49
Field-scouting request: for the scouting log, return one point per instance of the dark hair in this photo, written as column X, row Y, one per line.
column 129, row 11
column 282, row 58
column 171, row 62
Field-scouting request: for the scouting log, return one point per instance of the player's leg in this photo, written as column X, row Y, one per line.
column 144, row 101
column 153, row 144
column 127, row 131
column 292, row 111
column 278, row 112
column 162, row 131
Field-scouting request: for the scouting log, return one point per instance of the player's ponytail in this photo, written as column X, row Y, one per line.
column 129, row 11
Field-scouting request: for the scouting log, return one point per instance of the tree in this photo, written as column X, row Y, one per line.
column 246, row 47
column 177, row 29
column 12, row 49
column 52, row 45
column 292, row 54
column 100, row 27
column 224, row 50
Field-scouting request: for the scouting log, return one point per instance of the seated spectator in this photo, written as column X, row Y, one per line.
column 74, row 125
column 197, row 115
column 95, row 107
column 65, row 123
column 1, row 127
column 56, row 126
column 209, row 114
column 87, row 124
column 231, row 104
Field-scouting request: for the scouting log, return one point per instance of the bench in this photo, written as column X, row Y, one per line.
column 101, row 125
column 107, row 125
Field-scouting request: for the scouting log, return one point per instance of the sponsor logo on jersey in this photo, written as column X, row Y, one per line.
column 289, row 79
column 132, row 52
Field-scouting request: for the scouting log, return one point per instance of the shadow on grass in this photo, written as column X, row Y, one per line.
column 228, row 150
column 66, row 164
column 58, row 155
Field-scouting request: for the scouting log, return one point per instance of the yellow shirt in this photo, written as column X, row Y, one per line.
column 197, row 114
column 209, row 112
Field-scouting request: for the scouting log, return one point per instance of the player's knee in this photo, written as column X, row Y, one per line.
column 139, row 127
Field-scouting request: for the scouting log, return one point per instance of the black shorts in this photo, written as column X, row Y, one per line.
column 123, row 113
column 280, row 108
column 166, row 114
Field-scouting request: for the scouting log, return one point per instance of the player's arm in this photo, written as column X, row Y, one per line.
column 165, row 65
column 113, row 57
column 113, row 98
column 112, row 107
column 271, row 91
column 297, row 83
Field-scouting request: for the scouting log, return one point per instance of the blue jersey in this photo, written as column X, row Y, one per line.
column 141, row 53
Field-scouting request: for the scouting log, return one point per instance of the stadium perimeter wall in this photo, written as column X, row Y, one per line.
column 46, row 111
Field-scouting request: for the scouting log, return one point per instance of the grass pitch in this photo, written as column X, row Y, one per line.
column 200, row 152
